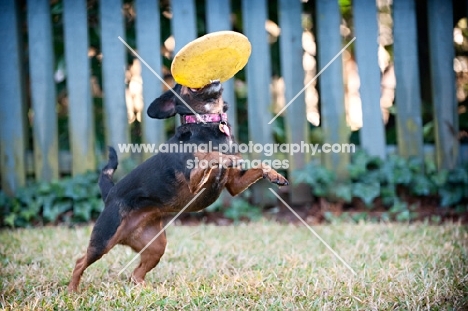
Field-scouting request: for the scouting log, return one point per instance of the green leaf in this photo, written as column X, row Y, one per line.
column 344, row 192
column 430, row 167
column 10, row 220
column 388, row 194
column 97, row 205
column 403, row 176
column 63, row 206
column 421, row 185
column 363, row 164
column 358, row 166
column 395, row 171
column 398, row 206
column 458, row 175
column 31, row 211
column 357, row 217
column 48, row 211
column 450, row 195
column 241, row 208
column 318, row 177
column 319, row 190
column 82, row 210
column 56, row 8
column 404, row 216
column 329, row 217
column 428, row 131
column 416, row 165
column 15, row 205
column 440, row 178
column 44, row 188
column 366, row 192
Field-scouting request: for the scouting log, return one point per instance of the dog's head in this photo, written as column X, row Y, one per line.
column 207, row 99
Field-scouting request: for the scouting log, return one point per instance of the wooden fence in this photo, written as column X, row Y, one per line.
column 17, row 88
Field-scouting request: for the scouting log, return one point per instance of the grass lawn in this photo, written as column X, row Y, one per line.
column 257, row 266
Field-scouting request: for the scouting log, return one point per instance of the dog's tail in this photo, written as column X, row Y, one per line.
column 105, row 179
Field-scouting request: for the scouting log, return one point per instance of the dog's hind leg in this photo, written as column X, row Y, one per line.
column 105, row 179
column 105, row 235
column 153, row 252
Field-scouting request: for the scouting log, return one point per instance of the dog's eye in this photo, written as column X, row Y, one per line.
column 193, row 90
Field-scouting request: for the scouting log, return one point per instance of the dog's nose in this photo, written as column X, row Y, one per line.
column 215, row 87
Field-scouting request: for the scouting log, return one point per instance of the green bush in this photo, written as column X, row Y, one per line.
column 77, row 199
column 238, row 209
column 394, row 181
column 74, row 199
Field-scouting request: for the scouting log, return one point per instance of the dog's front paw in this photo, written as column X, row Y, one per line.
column 276, row 178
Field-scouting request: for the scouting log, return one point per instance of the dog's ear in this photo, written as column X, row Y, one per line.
column 163, row 107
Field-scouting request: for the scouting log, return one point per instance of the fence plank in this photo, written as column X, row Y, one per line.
column 333, row 115
column 293, row 75
column 113, row 73
column 41, row 68
column 366, row 31
column 80, row 107
column 218, row 17
column 443, row 82
column 12, row 108
column 183, row 22
column 149, row 45
column 408, row 98
column 184, row 25
column 258, row 73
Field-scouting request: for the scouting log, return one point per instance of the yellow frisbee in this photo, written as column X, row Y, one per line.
column 215, row 56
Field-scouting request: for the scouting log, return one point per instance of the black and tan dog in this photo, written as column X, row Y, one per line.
column 164, row 184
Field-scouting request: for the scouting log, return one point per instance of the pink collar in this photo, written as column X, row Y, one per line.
column 207, row 117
